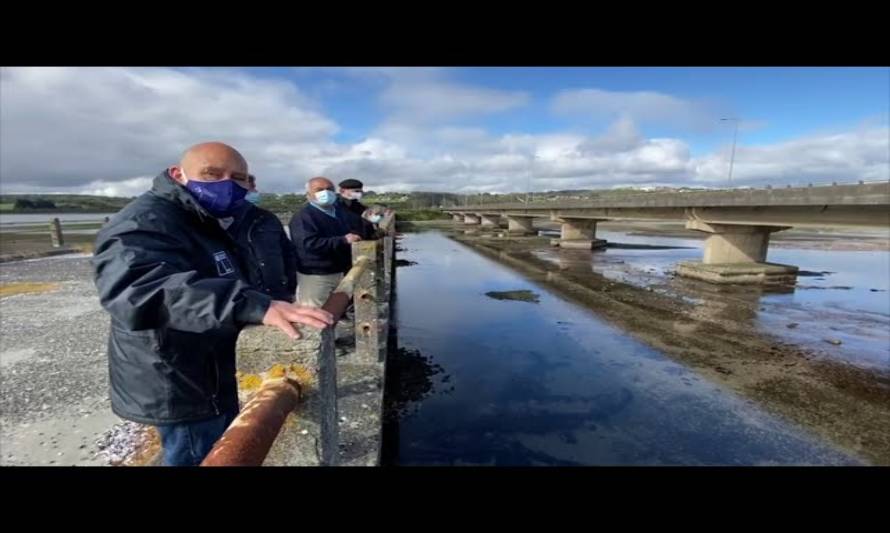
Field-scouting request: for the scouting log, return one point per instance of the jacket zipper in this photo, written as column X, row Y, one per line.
column 216, row 390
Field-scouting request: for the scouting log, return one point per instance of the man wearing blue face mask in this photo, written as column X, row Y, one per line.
column 174, row 284
column 322, row 233
column 271, row 260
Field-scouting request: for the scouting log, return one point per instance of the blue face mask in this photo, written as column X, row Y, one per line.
column 220, row 198
column 325, row 198
column 253, row 197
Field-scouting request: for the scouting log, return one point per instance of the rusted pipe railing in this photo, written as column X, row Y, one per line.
column 249, row 438
column 338, row 301
column 388, row 227
column 370, row 343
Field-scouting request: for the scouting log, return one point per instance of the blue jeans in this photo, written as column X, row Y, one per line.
column 187, row 444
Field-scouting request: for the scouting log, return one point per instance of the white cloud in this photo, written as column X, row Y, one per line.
column 862, row 154
column 107, row 131
column 69, row 127
column 636, row 106
column 442, row 101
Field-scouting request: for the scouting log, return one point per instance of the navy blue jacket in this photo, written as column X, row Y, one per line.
column 320, row 239
column 271, row 259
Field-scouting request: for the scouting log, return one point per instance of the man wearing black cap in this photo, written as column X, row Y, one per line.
column 351, row 195
column 350, row 192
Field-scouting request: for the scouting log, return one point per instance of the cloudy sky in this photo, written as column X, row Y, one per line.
column 109, row 130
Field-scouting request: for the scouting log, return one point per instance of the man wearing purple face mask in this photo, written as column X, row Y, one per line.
column 173, row 282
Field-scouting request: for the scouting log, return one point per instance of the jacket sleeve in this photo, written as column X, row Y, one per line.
column 146, row 280
column 312, row 240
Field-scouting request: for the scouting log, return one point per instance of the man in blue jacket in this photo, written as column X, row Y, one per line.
column 173, row 282
column 323, row 233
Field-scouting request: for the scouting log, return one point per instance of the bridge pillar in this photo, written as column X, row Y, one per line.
column 457, row 218
column 490, row 221
column 736, row 254
column 520, row 226
column 471, row 220
column 578, row 233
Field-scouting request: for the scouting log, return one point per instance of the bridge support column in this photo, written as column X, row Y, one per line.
column 736, row 254
column 578, row 233
column 490, row 221
column 520, row 226
column 457, row 218
column 471, row 220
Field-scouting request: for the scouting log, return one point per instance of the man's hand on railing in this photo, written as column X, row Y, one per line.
column 284, row 315
column 352, row 238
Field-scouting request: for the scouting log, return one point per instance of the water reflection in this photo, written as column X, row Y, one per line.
column 839, row 294
column 736, row 304
column 414, row 373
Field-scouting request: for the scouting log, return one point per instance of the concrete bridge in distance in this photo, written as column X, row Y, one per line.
column 738, row 222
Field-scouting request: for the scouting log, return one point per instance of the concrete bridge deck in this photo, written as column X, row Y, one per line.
column 739, row 222
column 865, row 204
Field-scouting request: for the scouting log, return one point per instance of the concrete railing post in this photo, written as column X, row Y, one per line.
column 327, row 391
column 388, row 265
column 55, row 232
column 391, row 343
column 370, row 340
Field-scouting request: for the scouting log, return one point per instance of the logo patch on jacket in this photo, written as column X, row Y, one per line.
column 223, row 264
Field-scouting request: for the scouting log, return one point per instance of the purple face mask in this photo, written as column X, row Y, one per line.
column 220, row 198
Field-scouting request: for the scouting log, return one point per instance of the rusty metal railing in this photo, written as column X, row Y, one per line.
column 247, row 440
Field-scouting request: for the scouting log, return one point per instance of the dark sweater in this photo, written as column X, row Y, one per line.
column 320, row 240
column 357, row 224
column 354, row 206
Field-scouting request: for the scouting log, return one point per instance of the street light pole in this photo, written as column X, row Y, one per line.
column 528, row 186
column 735, row 136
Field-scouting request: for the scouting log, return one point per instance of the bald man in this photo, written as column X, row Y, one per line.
column 322, row 233
column 171, row 279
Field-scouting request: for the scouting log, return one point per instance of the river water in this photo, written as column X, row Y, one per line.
column 549, row 383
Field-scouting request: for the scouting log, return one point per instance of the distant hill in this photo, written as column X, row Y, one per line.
column 60, row 203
